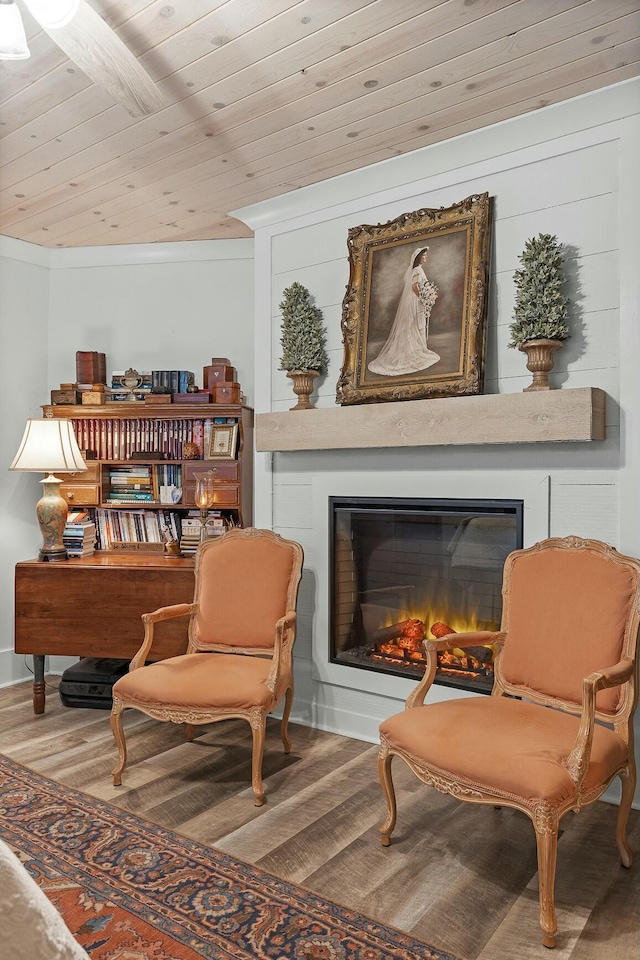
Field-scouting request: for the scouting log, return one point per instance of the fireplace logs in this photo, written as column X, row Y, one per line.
column 441, row 630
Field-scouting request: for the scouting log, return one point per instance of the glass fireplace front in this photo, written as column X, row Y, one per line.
column 405, row 569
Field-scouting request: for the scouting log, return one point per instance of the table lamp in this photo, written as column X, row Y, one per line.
column 49, row 445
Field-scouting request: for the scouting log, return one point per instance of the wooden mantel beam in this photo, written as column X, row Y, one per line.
column 534, row 417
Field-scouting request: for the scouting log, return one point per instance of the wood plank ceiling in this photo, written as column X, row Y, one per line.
column 266, row 96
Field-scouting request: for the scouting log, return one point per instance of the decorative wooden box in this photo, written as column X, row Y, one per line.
column 93, row 397
column 91, row 367
column 151, row 398
column 204, row 396
column 219, row 371
column 65, row 396
column 226, row 393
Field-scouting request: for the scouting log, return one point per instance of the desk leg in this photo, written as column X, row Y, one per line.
column 38, row 683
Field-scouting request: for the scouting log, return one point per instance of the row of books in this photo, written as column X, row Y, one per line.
column 171, row 381
column 79, row 536
column 120, row 439
column 136, row 526
column 138, row 482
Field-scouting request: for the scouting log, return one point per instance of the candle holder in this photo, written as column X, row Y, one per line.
column 205, row 498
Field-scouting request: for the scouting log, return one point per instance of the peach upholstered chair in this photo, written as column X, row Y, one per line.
column 242, row 626
column 558, row 727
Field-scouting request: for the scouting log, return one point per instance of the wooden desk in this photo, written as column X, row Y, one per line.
column 91, row 607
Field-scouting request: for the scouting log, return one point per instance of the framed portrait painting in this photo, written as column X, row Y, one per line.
column 414, row 314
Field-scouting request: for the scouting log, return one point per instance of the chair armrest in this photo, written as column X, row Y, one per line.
column 577, row 762
column 150, row 620
column 475, row 638
column 285, row 634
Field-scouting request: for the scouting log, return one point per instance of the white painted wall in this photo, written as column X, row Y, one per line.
column 154, row 306
column 145, row 306
column 24, row 332
column 565, row 170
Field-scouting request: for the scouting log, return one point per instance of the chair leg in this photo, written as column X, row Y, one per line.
column 386, row 780
column 118, row 735
column 628, row 778
column 284, row 726
column 189, row 731
column 546, row 826
column 258, row 727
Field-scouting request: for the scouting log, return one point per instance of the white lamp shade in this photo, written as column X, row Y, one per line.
column 53, row 13
column 13, row 41
column 48, row 445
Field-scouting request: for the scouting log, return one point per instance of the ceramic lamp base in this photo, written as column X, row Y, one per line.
column 52, row 512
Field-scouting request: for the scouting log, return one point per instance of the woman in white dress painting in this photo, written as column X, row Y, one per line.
column 405, row 350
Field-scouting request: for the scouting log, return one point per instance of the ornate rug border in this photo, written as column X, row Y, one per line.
column 210, row 858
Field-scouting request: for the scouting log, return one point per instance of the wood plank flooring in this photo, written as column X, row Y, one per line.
column 463, row 878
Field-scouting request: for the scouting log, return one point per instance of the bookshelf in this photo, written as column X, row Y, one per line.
column 139, row 488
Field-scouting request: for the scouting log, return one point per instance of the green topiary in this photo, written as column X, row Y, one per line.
column 303, row 336
column 540, row 309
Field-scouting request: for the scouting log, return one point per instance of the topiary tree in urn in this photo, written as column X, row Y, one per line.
column 304, row 355
column 540, row 313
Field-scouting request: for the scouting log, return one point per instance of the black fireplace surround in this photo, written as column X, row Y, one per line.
column 402, row 569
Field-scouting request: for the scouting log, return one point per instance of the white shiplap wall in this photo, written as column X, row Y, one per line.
column 562, row 176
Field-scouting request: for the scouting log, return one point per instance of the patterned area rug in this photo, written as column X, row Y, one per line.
column 129, row 890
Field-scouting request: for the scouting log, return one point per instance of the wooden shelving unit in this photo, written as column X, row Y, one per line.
column 542, row 417
column 91, row 488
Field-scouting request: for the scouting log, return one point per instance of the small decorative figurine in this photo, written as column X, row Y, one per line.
column 190, row 451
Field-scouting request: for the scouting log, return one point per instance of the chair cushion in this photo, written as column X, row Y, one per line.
column 200, row 681
column 566, row 615
column 504, row 746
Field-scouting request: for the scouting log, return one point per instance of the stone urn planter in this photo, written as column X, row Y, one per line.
column 303, row 381
column 539, row 361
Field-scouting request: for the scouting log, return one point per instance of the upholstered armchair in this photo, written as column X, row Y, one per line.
column 242, row 626
column 558, row 727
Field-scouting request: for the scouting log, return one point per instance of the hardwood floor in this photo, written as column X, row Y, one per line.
column 463, row 878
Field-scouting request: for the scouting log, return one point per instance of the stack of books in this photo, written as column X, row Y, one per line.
column 190, row 535
column 79, row 535
column 133, row 484
column 191, row 529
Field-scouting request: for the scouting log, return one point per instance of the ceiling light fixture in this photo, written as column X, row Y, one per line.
column 52, row 14
column 13, row 41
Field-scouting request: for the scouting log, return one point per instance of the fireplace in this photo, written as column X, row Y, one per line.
column 402, row 569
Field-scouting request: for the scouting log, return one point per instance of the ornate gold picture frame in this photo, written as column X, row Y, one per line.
column 222, row 442
column 414, row 314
